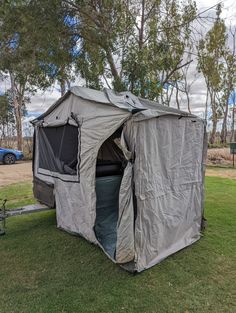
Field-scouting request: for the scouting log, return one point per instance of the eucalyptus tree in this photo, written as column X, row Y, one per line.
column 156, row 51
column 217, row 62
column 233, row 95
column 7, row 119
column 103, row 27
column 211, row 51
column 137, row 45
column 35, row 49
column 133, row 45
column 228, row 87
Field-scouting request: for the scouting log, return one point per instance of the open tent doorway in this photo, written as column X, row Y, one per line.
column 109, row 172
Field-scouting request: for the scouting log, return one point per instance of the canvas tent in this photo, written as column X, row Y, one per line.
column 125, row 173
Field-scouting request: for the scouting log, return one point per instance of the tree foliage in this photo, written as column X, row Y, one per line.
column 35, row 49
column 217, row 62
column 7, row 119
column 134, row 45
column 137, row 45
column 211, row 51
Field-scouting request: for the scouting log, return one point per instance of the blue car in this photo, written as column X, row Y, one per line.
column 10, row 156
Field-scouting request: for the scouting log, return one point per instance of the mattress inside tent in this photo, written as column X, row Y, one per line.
column 107, row 210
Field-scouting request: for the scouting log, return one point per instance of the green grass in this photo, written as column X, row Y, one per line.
column 17, row 195
column 43, row 269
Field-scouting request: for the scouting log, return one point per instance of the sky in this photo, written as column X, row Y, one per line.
column 42, row 100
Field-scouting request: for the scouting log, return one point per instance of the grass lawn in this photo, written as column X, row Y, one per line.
column 17, row 195
column 43, row 269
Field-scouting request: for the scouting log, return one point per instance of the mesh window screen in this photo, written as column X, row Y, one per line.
column 58, row 149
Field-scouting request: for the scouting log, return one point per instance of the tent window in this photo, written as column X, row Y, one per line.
column 58, row 149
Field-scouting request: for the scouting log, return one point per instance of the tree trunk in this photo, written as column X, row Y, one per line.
column 223, row 134
column 214, row 119
column 140, row 43
column 169, row 95
column 68, row 84
column 213, row 132
column 188, row 102
column 233, row 135
column 141, row 30
column 177, row 96
column 17, row 103
column 206, row 105
column 118, row 86
column 19, row 126
column 63, row 87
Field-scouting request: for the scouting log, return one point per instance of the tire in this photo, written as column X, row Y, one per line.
column 9, row 159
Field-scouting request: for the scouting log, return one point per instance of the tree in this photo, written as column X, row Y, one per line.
column 228, row 87
column 233, row 95
column 35, row 49
column 7, row 119
column 211, row 51
column 233, row 132
column 126, row 44
column 229, row 82
column 164, row 30
column 100, row 27
column 132, row 45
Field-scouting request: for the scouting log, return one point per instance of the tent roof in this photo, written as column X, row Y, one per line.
column 123, row 100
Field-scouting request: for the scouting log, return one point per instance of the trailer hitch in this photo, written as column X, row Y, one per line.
column 4, row 213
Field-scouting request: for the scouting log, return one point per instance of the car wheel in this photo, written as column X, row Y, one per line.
column 9, row 159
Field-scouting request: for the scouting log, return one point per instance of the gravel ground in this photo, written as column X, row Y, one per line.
column 19, row 172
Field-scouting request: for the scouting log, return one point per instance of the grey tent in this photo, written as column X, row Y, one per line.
column 125, row 173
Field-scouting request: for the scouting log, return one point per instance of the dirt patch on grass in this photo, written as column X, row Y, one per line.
column 221, row 172
column 219, row 161
column 19, row 172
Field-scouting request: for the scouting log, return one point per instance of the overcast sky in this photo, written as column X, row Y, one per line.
column 42, row 100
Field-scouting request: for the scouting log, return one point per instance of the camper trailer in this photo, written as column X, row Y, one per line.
column 124, row 172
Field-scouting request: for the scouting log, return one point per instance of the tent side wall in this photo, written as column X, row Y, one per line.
column 76, row 196
column 168, row 186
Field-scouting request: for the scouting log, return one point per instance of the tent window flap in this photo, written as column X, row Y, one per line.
column 58, row 149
